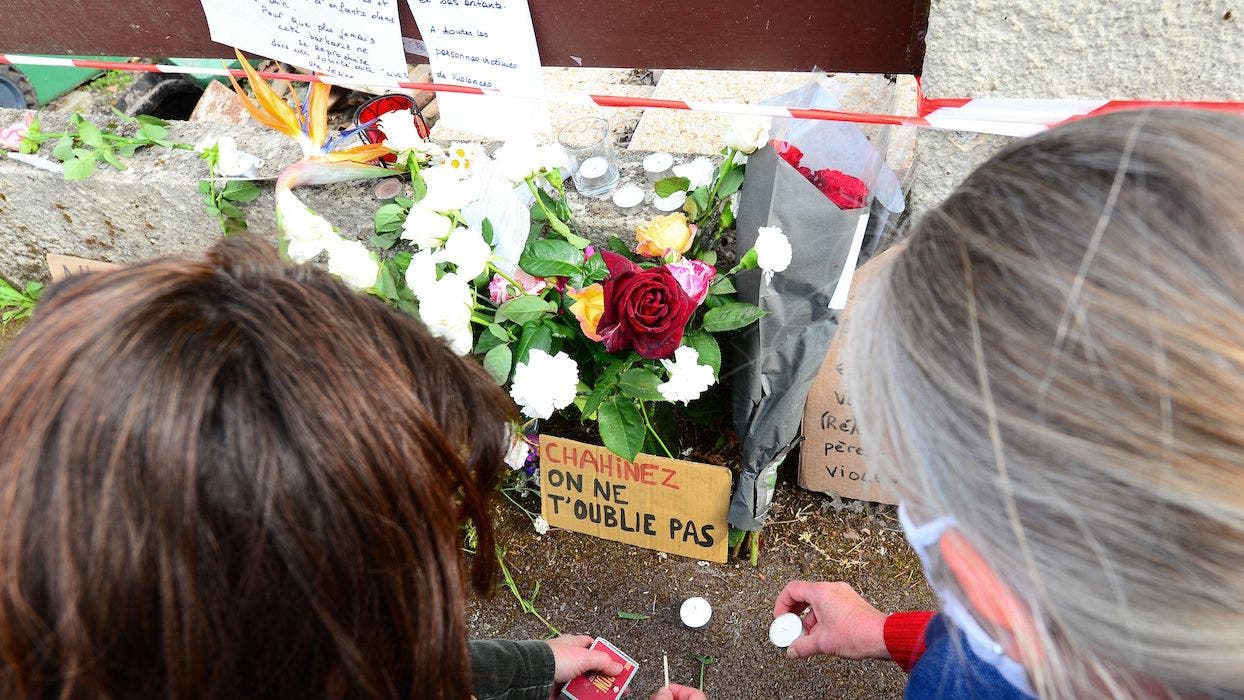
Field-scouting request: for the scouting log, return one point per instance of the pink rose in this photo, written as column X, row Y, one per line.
column 499, row 289
column 11, row 136
column 693, row 276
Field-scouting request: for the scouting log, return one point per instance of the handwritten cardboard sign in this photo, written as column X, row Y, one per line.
column 831, row 458
column 62, row 266
column 669, row 505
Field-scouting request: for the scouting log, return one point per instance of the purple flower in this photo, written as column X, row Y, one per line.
column 693, row 276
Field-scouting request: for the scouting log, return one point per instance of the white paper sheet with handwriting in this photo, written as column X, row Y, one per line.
column 489, row 44
column 352, row 39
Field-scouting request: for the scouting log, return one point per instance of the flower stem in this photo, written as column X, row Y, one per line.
column 644, row 412
column 521, row 292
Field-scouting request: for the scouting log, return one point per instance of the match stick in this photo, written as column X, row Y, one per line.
column 665, row 659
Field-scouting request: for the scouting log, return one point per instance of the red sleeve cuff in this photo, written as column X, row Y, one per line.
column 904, row 637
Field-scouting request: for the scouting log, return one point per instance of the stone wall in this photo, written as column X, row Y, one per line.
column 1136, row 49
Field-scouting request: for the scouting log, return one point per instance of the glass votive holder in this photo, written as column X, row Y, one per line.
column 658, row 166
column 589, row 147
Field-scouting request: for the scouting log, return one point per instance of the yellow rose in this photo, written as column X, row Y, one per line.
column 662, row 234
column 588, row 307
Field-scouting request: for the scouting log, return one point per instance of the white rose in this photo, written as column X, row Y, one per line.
column 698, row 171
column 445, row 307
column 425, row 227
column 306, row 233
column 464, row 157
column 541, row 525
column 467, row 250
column 448, row 189
column 520, row 158
column 544, row 384
column 773, row 251
column 421, row 274
column 400, row 132
column 688, row 378
column 353, row 263
column 748, row 134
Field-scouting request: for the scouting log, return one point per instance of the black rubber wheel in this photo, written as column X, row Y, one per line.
column 159, row 95
column 16, row 92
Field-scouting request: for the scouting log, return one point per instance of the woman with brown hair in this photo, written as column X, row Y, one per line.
column 1053, row 367
column 236, row 478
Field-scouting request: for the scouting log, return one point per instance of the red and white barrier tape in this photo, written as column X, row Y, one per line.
column 1006, row 117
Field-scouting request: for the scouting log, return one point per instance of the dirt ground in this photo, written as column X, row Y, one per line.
column 585, row 582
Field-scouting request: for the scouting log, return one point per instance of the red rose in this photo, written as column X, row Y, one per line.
column 788, row 152
column 806, row 172
column 846, row 191
column 644, row 309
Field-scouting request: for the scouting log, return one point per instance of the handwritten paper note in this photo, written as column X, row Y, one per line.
column 486, row 44
column 352, row 39
column 65, row 266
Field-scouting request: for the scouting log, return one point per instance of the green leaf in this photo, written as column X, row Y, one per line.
column 618, row 246
column 420, row 187
column 632, row 616
column 709, row 257
column 640, row 383
column 499, row 331
column 700, row 197
column 229, row 209
column 242, row 191
column 535, row 337
column 123, row 116
column 730, row 183
column 706, row 346
column 498, row 362
column 81, row 165
column 602, row 391
column 667, row 186
column 594, row 269
column 486, row 342
column 90, row 134
column 727, row 216
column 385, row 241
column 389, row 217
column 621, row 426
column 550, row 258
column 152, row 132
column 148, row 119
column 110, row 158
column 485, row 230
column 554, row 177
column 387, row 281
column 523, row 310
column 63, row 150
column 731, row 316
column 722, row 285
column 127, row 150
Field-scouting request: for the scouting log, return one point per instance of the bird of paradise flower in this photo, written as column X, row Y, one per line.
column 323, row 161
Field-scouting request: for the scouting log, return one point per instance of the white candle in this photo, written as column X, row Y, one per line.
column 695, row 612
column 785, row 630
column 628, row 198
column 593, row 170
column 673, row 202
column 658, row 165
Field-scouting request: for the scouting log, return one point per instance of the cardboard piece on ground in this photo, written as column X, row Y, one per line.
column 62, row 266
column 831, row 458
column 669, row 505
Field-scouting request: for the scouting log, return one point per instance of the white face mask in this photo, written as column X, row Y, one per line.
column 922, row 539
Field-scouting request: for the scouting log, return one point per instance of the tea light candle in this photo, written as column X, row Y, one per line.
column 785, row 630
column 673, row 202
column 695, row 612
column 628, row 198
column 594, row 172
column 658, row 166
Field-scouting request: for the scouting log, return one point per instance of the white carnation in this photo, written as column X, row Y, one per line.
column 425, row 228
column 688, row 378
column 698, row 171
column 516, row 456
column 421, row 273
column 773, row 251
column 467, row 249
column 748, row 134
column 520, row 158
column 449, row 189
column 541, row 525
column 544, row 384
column 400, row 132
column 353, row 263
column 306, row 233
column 445, row 307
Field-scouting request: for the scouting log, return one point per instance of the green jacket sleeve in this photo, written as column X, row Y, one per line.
column 504, row 670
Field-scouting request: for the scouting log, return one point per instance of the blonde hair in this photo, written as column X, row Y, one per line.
column 1057, row 360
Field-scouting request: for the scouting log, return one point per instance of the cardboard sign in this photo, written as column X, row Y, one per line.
column 669, row 505
column 831, row 458
column 62, row 266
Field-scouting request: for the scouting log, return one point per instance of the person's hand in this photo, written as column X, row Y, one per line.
column 572, row 658
column 678, row 692
column 841, row 623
